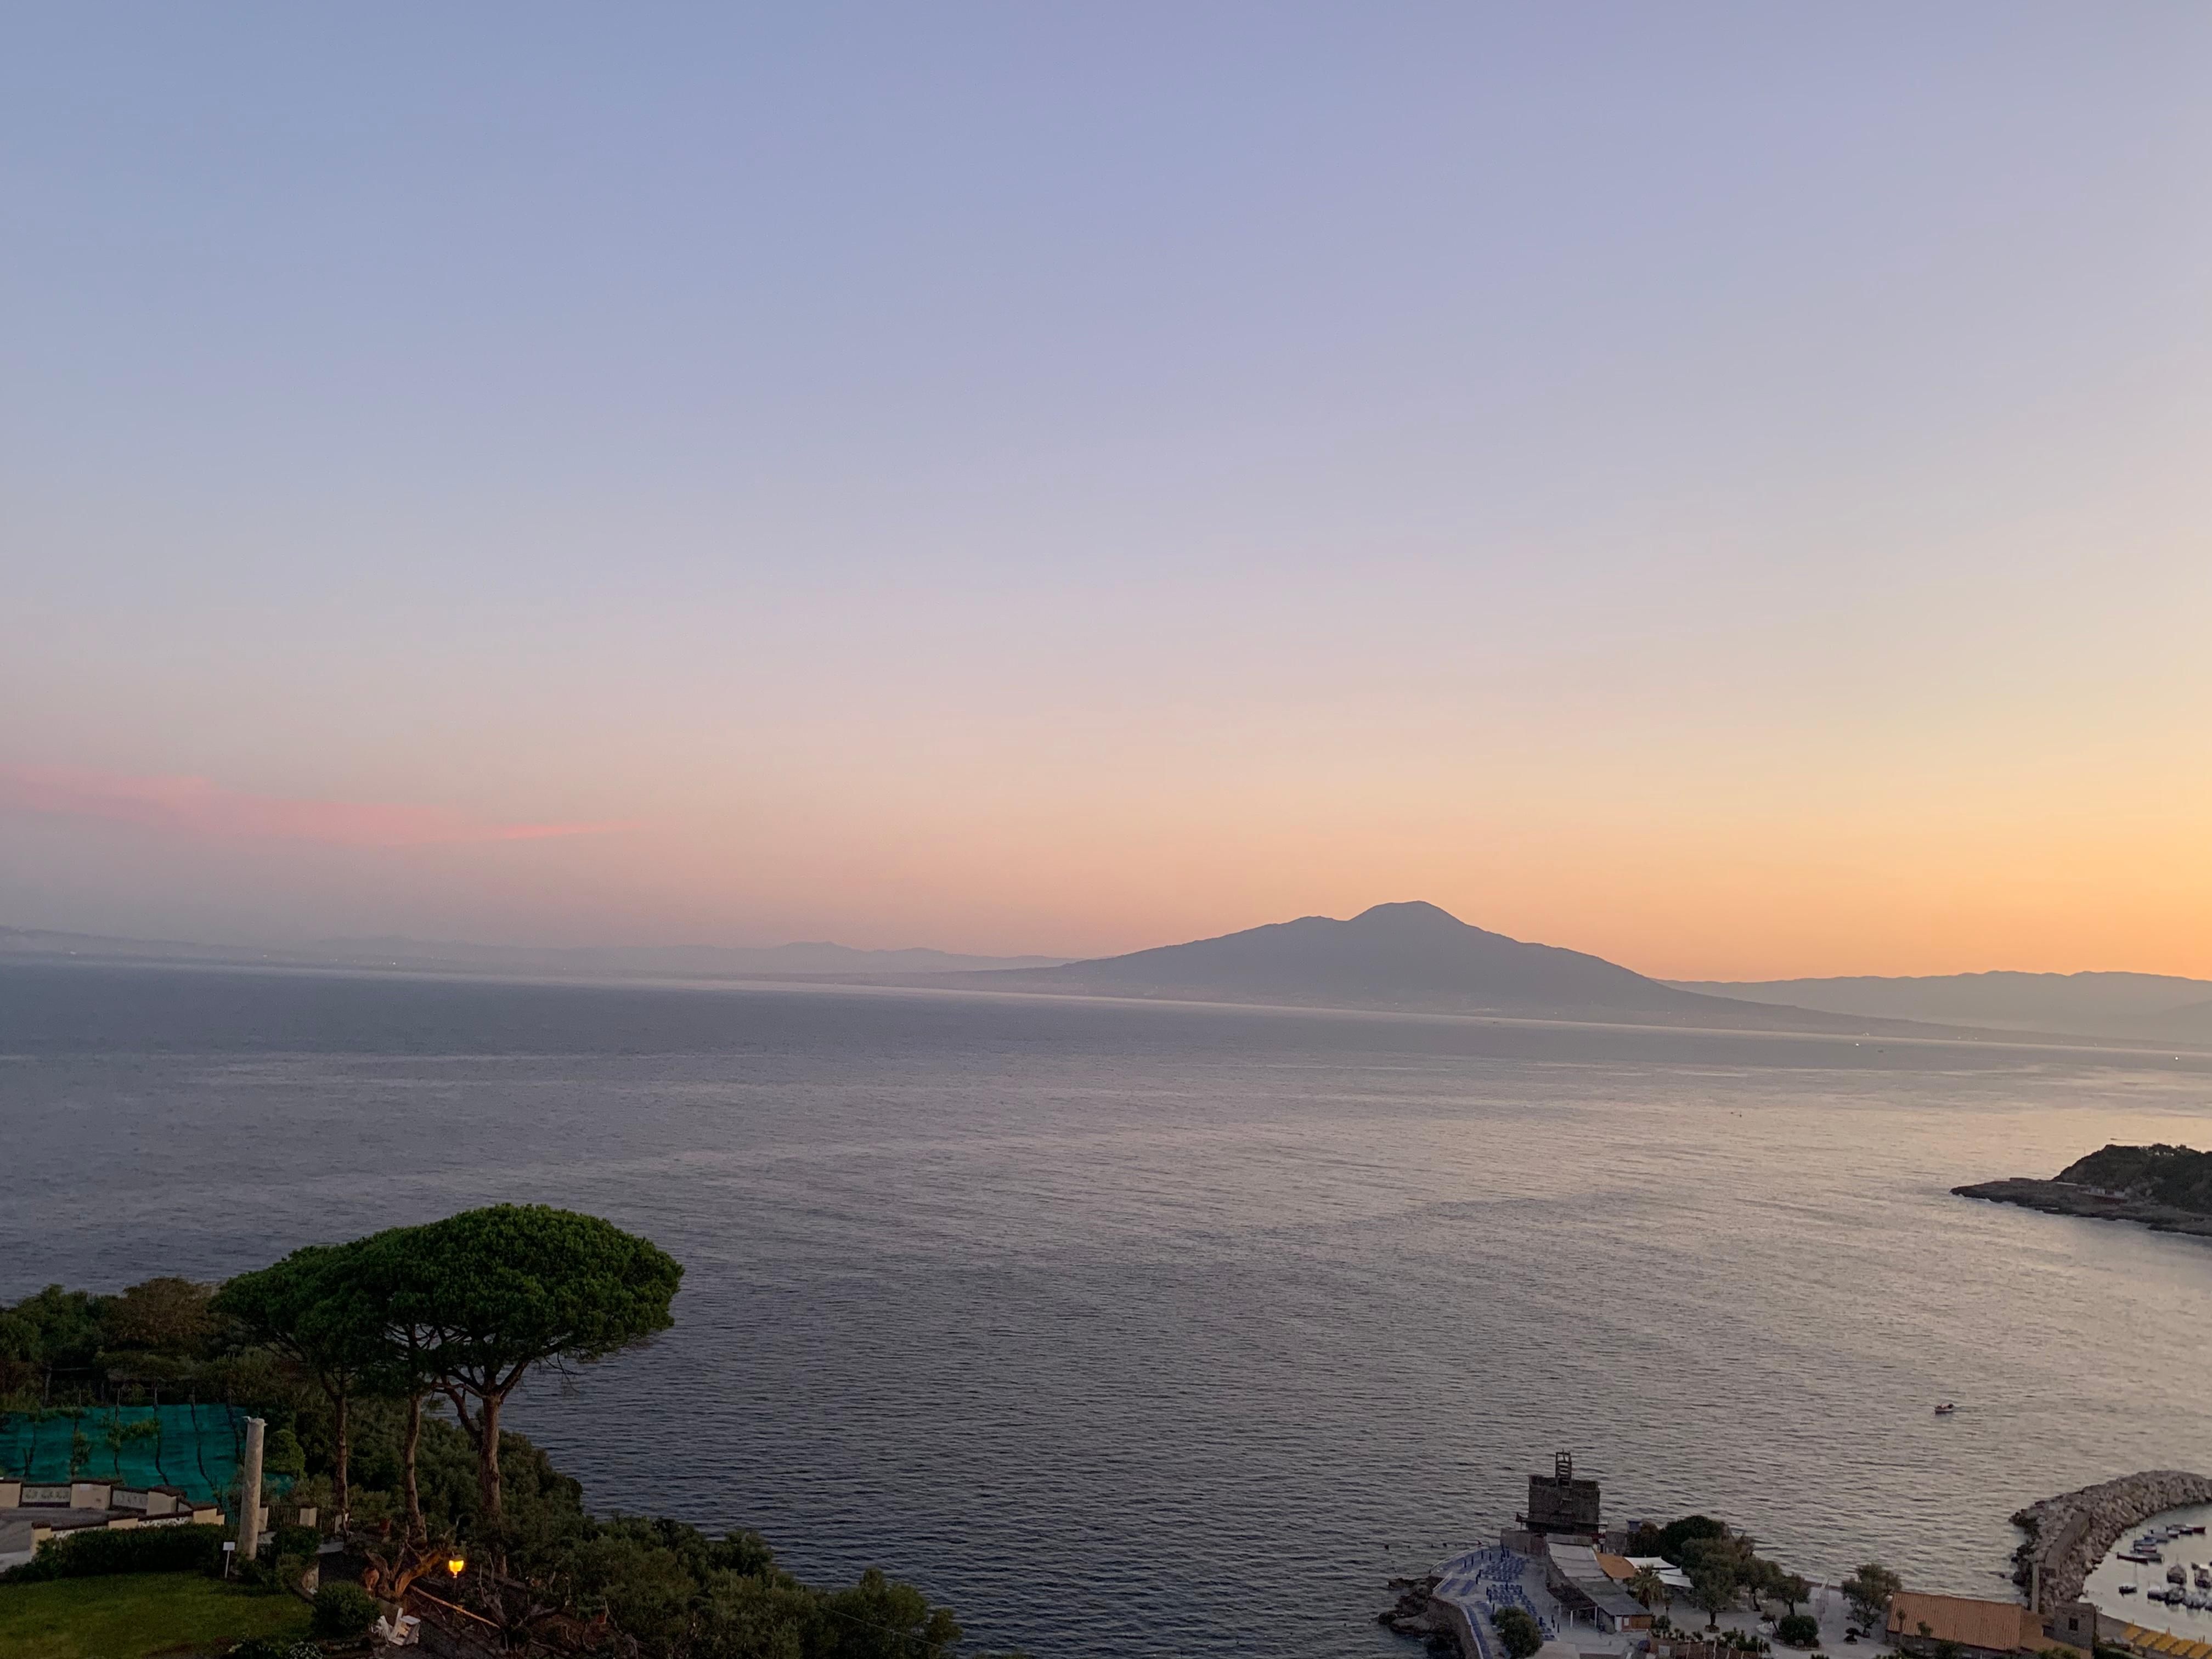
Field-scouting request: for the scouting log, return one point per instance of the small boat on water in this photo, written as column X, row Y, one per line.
column 1946, row 1408
column 2177, row 1574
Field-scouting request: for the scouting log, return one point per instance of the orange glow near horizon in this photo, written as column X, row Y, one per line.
column 1625, row 804
column 1029, row 492
column 1680, row 877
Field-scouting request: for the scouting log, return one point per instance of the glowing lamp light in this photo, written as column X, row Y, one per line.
column 455, row 1564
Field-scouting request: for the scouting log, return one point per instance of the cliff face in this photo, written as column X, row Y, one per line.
column 2172, row 1176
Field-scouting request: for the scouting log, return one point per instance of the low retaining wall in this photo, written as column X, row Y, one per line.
column 2069, row 1534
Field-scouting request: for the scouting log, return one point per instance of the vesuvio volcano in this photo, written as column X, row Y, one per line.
column 1410, row 955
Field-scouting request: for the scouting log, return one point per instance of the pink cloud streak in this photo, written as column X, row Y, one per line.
column 200, row 807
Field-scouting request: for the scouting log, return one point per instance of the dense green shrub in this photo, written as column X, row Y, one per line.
column 267, row 1647
column 284, row 1455
column 1799, row 1630
column 344, row 1610
column 94, row 1554
column 1522, row 1634
column 1674, row 1539
column 295, row 1541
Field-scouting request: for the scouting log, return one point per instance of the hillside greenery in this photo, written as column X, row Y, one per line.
column 381, row 1366
column 2173, row 1176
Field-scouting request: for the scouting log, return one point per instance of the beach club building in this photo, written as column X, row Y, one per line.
column 1591, row 1585
column 1975, row 1628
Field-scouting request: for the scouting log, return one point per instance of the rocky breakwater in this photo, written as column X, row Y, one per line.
column 2069, row 1534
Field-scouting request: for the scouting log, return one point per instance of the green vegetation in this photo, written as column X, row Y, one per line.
column 1668, row 1540
column 61, row 1347
column 128, row 1618
column 102, row 1554
column 298, row 1309
column 344, row 1611
column 1712, row 1591
column 1868, row 1591
column 1522, row 1634
column 480, row 1300
column 1798, row 1630
column 2160, row 1173
column 381, row 1366
column 1721, row 1565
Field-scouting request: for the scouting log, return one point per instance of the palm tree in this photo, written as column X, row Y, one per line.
column 1648, row 1587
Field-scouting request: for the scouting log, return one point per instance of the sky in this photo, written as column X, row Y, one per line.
column 1724, row 487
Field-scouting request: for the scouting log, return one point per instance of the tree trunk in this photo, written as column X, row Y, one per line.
column 416, row 1530
column 341, row 1456
column 488, row 1492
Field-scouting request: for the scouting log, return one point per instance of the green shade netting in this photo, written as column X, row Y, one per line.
column 194, row 1447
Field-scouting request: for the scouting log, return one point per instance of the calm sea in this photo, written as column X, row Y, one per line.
column 1152, row 1329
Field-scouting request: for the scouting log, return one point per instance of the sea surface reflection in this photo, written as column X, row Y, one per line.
column 1133, row 1328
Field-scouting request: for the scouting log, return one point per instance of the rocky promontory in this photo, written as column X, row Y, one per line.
column 1417, row 1614
column 2069, row 1534
column 2066, row 1197
column 2166, row 1188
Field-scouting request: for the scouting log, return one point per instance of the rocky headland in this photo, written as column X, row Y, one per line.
column 2063, row 1198
column 1418, row 1614
column 2069, row 1534
column 2166, row 1188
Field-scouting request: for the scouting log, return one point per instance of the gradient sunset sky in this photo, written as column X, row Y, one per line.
column 1728, row 488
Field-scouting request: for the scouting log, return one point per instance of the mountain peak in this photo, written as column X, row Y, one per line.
column 1407, row 954
column 1409, row 912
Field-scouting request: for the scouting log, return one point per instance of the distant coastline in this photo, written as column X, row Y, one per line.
column 1408, row 958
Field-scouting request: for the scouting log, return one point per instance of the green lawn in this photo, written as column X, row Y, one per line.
column 132, row 1615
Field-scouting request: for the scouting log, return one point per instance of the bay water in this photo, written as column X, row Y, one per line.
column 1134, row 1328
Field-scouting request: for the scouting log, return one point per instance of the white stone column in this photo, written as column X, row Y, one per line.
column 249, row 1491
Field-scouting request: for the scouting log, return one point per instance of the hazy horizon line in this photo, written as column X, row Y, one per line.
column 360, row 941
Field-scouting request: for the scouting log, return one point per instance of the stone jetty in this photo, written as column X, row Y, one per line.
column 2069, row 1534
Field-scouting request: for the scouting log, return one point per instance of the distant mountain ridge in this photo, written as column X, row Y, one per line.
column 807, row 959
column 1389, row 948
column 1412, row 956
column 2141, row 1006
